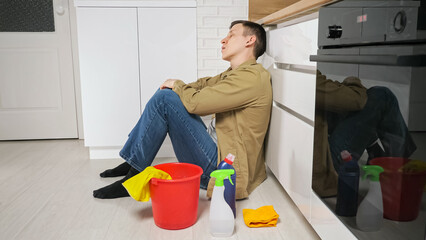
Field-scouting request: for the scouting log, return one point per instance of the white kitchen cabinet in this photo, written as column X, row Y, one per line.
column 293, row 42
column 167, row 46
column 289, row 155
column 295, row 90
column 109, row 73
column 289, row 148
column 291, row 132
column 126, row 50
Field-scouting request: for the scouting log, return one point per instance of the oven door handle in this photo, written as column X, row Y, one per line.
column 390, row 60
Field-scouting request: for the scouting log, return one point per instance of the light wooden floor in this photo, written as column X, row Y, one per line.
column 46, row 193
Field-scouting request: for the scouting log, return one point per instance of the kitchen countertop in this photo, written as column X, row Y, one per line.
column 296, row 10
column 135, row 3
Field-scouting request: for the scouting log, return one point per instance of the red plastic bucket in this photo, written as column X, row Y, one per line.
column 175, row 202
column 402, row 192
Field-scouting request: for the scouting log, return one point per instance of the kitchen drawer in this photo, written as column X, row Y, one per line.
column 289, row 155
column 293, row 44
column 295, row 90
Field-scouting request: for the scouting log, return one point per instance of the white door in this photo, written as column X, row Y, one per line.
column 37, row 98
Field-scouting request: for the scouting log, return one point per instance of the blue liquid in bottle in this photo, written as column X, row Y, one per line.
column 229, row 188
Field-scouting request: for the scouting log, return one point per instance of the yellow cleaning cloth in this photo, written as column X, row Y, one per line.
column 138, row 185
column 413, row 166
column 262, row 217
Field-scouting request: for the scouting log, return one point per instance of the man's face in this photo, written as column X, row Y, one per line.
column 234, row 43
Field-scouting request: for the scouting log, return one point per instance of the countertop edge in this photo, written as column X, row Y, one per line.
column 303, row 7
column 134, row 3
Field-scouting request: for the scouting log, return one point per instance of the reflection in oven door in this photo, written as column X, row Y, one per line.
column 406, row 82
column 383, row 45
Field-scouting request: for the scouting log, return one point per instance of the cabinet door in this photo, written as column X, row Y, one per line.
column 289, row 156
column 167, row 47
column 293, row 44
column 295, row 90
column 108, row 52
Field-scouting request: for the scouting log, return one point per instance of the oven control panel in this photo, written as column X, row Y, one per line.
column 365, row 23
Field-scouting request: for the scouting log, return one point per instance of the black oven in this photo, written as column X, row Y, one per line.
column 383, row 43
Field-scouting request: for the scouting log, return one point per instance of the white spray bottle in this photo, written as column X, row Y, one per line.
column 370, row 212
column 221, row 214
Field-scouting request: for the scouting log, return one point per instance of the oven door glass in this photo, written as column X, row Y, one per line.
column 372, row 115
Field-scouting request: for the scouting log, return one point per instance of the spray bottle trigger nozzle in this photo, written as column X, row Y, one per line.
column 373, row 171
column 222, row 174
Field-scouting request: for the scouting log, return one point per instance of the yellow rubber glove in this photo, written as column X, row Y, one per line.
column 262, row 217
column 138, row 185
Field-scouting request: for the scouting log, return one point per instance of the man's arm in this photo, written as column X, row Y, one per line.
column 199, row 84
column 350, row 95
column 237, row 90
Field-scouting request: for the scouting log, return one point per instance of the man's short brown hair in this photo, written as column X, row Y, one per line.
column 251, row 28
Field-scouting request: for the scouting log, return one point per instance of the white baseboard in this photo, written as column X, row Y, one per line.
column 166, row 151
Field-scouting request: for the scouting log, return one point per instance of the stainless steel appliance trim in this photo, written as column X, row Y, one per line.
column 295, row 67
column 294, row 113
column 390, row 60
column 373, row 4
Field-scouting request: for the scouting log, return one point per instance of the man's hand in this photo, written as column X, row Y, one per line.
column 168, row 84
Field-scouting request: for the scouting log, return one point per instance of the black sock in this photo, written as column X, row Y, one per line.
column 115, row 190
column 120, row 170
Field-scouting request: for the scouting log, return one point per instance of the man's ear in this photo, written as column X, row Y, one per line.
column 251, row 40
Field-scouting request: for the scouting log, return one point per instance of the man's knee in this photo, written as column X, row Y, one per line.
column 380, row 94
column 165, row 94
column 379, row 90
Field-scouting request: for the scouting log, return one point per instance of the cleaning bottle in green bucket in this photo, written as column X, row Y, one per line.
column 370, row 212
column 221, row 214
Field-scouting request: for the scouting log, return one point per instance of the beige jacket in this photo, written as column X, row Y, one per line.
column 331, row 96
column 241, row 99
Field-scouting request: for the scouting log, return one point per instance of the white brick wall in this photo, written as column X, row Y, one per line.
column 213, row 20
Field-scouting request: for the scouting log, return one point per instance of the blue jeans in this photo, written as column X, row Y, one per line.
column 164, row 113
column 379, row 119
